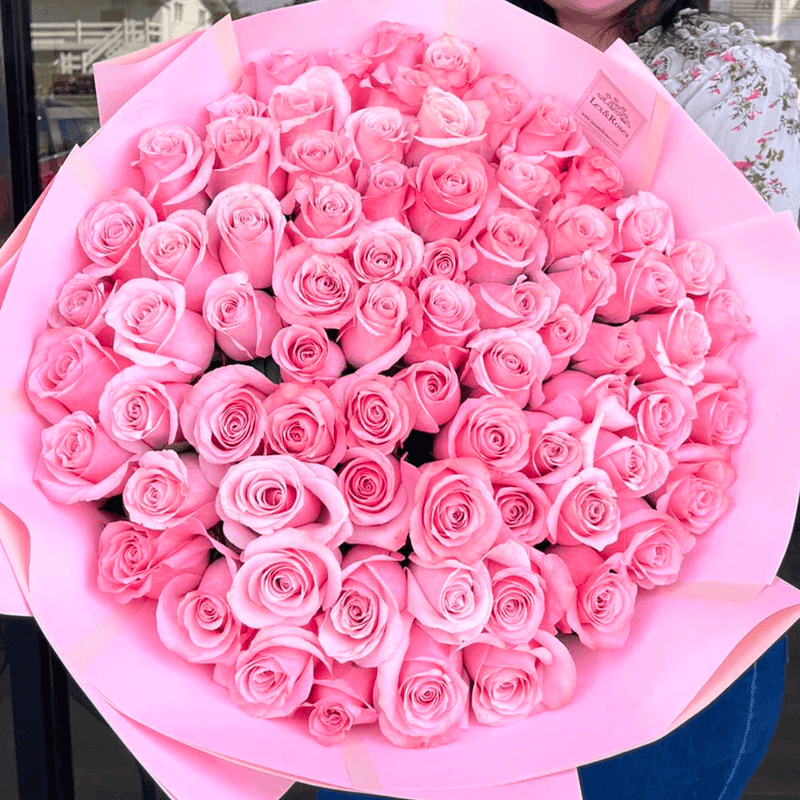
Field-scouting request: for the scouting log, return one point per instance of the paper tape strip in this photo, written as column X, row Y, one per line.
column 16, row 542
column 224, row 39
column 652, row 144
column 715, row 590
column 13, row 400
column 359, row 765
column 452, row 15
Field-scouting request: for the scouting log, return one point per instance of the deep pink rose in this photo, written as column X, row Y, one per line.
column 609, row 348
column 593, row 178
column 340, row 699
column 507, row 102
column 525, row 182
column 635, row 468
column 726, row 320
column 573, row 230
column 323, row 153
column 643, row 220
column 525, row 304
column 523, row 508
column 664, row 413
column 696, row 264
column 380, row 133
column 238, row 104
column 585, row 281
column 387, row 251
column 80, row 304
column 305, row 354
column 556, row 451
column 385, row 191
column 435, row 392
column 273, row 69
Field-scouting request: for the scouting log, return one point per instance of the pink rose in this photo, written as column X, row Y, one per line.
column 446, row 258
column 394, row 45
column 175, row 168
column 609, row 348
column 385, row 191
column 366, row 623
column 323, row 153
column 139, row 562
column 265, row 494
column 585, row 281
column 380, row 133
column 273, row 677
column 593, row 178
column 238, row 104
column 401, row 88
column 327, row 215
column 109, row 234
column 154, row 328
column 79, row 461
column 273, row 69
column 177, row 250
column 435, row 393
column 141, row 413
column 420, row 693
column 721, row 414
column 726, row 320
column 507, row 102
column 195, row 620
column 167, row 489
column 339, row 700
column 387, row 250
column 642, row 220
column 525, row 182
column 563, row 335
column 664, row 413
column 353, row 69
column 244, row 321
column 246, row 230
column 284, row 579
column 80, row 304
column 635, row 468
column 523, row 508
column 304, row 422
column 314, row 287
column 305, row 354
column 556, row 452
column 67, row 371
column 525, row 304
column 551, row 130
column 696, row 264
column 490, row 429
column 454, row 514
column 451, row 63
column 575, row 229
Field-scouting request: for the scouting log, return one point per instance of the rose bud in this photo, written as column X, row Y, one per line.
column 664, row 413
column 275, row 69
column 642, row 220
column 435, row 393
column 385, row 190
column 585, row 281
column 696, row 264
column 526, row 304
column 80, row 304
column 523, row 507
column 593, row 178
column 339, row 699
column 322, row 153
column 525, row 182
column 305, row 354
column 556, row 452
column 726, row 320
column 609, row 348
column 507, row 102
column 237, row 104
column 380, row 133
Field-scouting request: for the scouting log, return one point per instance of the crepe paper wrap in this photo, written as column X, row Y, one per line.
column 690, row 664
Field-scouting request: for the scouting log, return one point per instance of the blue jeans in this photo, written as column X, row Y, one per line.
column 711, row 757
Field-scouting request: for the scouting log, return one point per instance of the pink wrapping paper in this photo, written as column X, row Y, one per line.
column 672, row 671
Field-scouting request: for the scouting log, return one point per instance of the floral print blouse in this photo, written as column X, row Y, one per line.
column 740, row 93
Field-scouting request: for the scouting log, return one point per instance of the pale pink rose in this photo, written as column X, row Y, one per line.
column 695, row 491
column 245, row 150
column 393, row 44
column 507, row 102
column 573, row 230
column 635, row 468
column 446, row 258
column 382, row 319
column 284, row 579
column 109, row 234
column 323, row 153
column 642, row 220
column 316, row 100
column 722, row 414
column 603, row 608
column 652, row 545
column 451, row 63
column 166, row 489
column 264, row 494
column 140, row 412
column 451, row 601
column 238, row 104
column 194, row 619
column 387, row 251
column 385, row 191
column 511, row 684
column 402, row 88
column 556, row 452
column 552, row 130
column 313, row 287
column 273, row 677
column 420, row 693
column 273, row 69
column 512, row 244
column 80, row 304
column 585, row 281
column 177, row 249
column 664, row 413
column 304, row 422
column 455, row 194
column 726, row 320
column 696, row 264
column 175, row 168
column 153, row 327
column 246, row 231
column 245, row 321
column 454, row 514
column 305, row 354
column 593, row 178
column 380, row 133
column 524, row 181
column 79, row 461
column 67, row 371
column 584, row 510
column 490, row 429
column 525, row 304
column 609, row 348
column 223, row 418
column 378, row 411
column 448, row 319
column 340, row 699
column 563, row 334
column 435, row 392
column 366, row 623
column 139, row 562
column 328, row 213
column 645, row 282
column 507, row 363
column 523, row 508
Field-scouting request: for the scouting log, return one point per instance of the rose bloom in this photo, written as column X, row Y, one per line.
column 490, row 429
column 556, row 451
column 451, row 63
column 80, row 304
column 400, row 87
column 551, row 130
column 323, row 153
column 609, row 348
column 523, row 508
column 722, row 414
column 79, row 461
column 435, row 393
column 563, row 335
column 593, row 179
column 387, row 250
column 507, row 363
column 195, row 620
column 454, row 514
column 421, row 694
column 305, row 354
column 635, row 468
column 585, row 281
column 446, row 258
column 273, row 69
column 393, row 44
column 507, row 102
column 304, row 422
column 573, row 230
column 378, row 490
column 139, row 562
column 664, row 413
column 385, row 191
column 238, row 104
column 696, row 264
column 175, row 168
column 284, row 579
column 366, row 623
column 246, row 231
column 451, row 601
column 525, row 304
column 726, row 320
column 166, row 489
column 643, row 220
column 380, row 133
column 525, row 182
column 264, row 494
column 353, row 69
